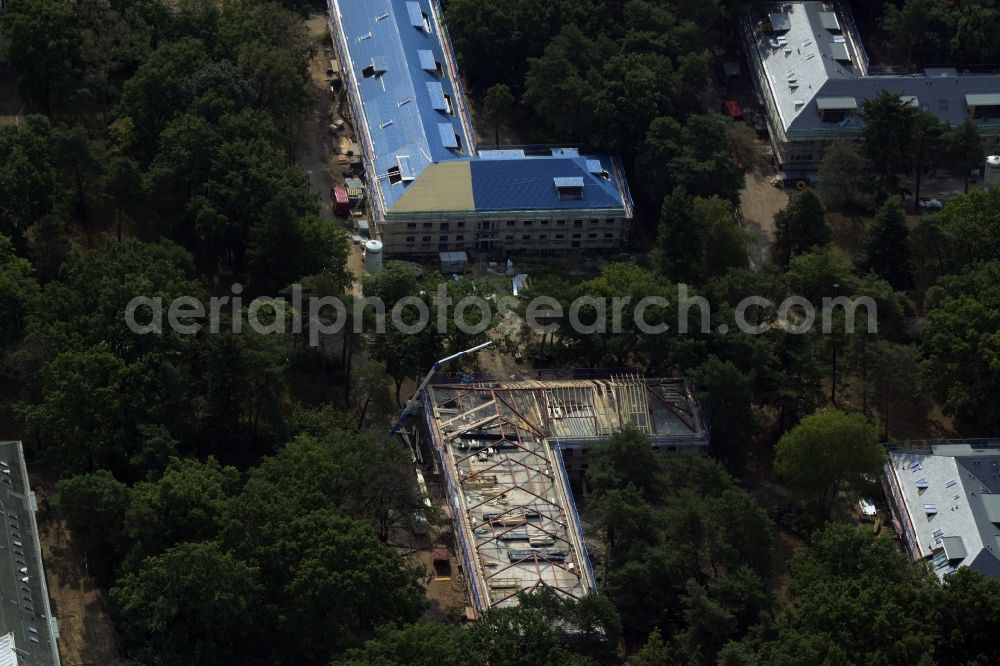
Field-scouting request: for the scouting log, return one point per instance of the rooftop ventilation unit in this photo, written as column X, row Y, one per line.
column 405, row 168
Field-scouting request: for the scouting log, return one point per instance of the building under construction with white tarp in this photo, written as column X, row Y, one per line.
column 507, row 452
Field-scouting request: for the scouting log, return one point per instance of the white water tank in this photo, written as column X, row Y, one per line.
column 991, row 177
column 373, row 256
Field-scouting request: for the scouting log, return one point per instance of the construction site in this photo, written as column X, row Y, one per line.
column 502, row 450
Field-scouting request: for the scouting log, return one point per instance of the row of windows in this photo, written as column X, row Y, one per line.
column 430, row 225
column 427, row 239
column 445, row 226
column 509, row 237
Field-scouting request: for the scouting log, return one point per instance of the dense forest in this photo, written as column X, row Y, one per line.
column 234, row 493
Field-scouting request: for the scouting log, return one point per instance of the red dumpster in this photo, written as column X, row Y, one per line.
column 732, row 109
column 341, row 202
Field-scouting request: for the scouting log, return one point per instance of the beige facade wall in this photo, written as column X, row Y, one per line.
column 504, row 236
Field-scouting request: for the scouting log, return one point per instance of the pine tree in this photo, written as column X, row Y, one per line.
column 801, row 226
column 678, row 244
column 887, row 246
column 963, row 149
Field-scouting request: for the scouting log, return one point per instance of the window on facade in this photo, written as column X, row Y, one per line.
column 575, row 244
column 526, row 237
column 444, row 226
column 591, row 235
column 394, row 175
column 576, row 235
column 411, row 239
column 427, row 239
column 428, row 225
column 411, row 225
column 577, row 223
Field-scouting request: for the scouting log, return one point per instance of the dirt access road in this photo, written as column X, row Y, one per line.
column 86, row 633
column 760, row 202
column 318, row 155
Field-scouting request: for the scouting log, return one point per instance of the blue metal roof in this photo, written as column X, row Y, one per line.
column 530, row 184
column 401, row 111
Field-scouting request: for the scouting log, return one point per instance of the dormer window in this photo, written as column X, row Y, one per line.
column 449, row 138
column 429, row 63
column 569, row 188
column 418, row 17
column 836, row 109
column 440, row 100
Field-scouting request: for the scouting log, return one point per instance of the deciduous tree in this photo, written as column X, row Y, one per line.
column 827, row 453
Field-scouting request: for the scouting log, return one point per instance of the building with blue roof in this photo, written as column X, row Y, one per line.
column 430, row 188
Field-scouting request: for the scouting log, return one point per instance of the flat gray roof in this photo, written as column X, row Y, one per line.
column 24, row 602
column 809, row 63
column 951, row 497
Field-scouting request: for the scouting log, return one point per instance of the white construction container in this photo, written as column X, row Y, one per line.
column 991, row 176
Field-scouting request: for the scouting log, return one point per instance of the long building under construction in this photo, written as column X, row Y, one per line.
column 507, row 453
